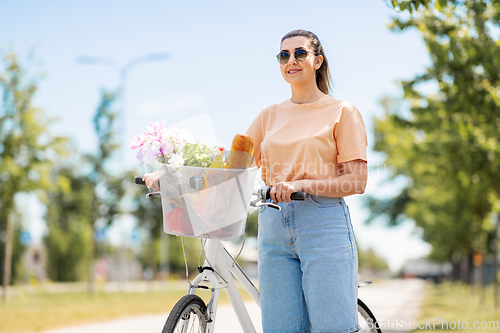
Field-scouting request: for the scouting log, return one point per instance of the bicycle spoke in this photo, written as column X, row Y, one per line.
column 188, row 316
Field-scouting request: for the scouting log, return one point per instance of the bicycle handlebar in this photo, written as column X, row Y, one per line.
column 138, row 180
column 299, row 196
column 264, row 194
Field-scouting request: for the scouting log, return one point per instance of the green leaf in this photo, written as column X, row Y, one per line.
column 440, row 4
column 197, row 154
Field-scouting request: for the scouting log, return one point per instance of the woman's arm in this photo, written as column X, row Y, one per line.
column 352, row 181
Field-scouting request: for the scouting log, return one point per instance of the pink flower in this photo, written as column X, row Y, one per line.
column 155, row 143
column 155, row 127
column 137, row 142
column 140, row 156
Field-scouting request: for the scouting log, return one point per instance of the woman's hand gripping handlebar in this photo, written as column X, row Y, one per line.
column 263, row 195
column 138, row 180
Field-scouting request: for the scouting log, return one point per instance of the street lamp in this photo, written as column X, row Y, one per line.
column 123, row 73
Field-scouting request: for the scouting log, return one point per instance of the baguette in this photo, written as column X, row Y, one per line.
column 241, row 154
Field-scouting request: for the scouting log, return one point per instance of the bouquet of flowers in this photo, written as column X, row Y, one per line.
column 198, row 202
column 176, row 147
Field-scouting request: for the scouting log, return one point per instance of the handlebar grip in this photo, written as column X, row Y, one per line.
column 138, row 180
column 299, row 196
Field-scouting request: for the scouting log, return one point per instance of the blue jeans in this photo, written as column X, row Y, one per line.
column 308, row 267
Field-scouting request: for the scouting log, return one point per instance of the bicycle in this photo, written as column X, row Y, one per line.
column 191, row 313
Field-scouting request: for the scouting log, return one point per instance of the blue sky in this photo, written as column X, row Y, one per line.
column 221, row 62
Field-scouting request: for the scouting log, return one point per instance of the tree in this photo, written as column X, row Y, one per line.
column 18, row 247
column 86, row 196
column 107, row 183
column 69, row 235
column 414, row 5
column 447, row 145
column 26, row 146
column 371, row 262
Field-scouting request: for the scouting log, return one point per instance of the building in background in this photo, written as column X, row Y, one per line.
column 425, row 269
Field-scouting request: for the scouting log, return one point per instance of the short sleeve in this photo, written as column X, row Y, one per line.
column 256, row 132
column 350, row 136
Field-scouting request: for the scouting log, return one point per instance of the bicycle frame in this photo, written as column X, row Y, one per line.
column 218, row 270
column 217, row 258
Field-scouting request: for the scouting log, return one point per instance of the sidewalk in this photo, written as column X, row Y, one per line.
column 390, row 301
column 226, row 322
column 394, row 303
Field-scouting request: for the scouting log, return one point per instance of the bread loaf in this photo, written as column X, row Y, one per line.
column 241, row 154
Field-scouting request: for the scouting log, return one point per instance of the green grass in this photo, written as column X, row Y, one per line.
column 460, row 306
column 40, row 311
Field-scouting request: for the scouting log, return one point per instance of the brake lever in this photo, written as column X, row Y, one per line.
column 257, row 203
column 153, row 194
column 261, row 193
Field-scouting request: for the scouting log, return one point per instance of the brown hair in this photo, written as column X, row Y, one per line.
column 323, row 77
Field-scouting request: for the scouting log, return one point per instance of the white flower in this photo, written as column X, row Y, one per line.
column 155, row 148
column 176, row 160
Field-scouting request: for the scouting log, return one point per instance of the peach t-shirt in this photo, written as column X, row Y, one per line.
column 307, row 141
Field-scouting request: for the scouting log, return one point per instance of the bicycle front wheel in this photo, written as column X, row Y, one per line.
column 366, row 319
column 187, row 316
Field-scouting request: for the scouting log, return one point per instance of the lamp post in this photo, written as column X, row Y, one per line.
column 122, row 73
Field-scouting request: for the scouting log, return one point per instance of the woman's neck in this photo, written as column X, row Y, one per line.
column 302, row 95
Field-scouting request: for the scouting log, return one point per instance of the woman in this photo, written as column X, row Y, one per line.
column 316, row 144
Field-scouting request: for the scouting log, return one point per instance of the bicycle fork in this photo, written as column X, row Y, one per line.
column 217, row 270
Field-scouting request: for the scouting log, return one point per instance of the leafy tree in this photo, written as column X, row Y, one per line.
column 69, row 229
column 370, row 261
column 82, row 202
column 26, row 146
column 447, row 145
column 107, row 183
column 413, row 5
column 17, row 246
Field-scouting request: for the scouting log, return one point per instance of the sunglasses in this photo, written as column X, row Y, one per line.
column 284, row 56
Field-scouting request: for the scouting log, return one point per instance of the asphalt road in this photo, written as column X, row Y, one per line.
column 395, row 304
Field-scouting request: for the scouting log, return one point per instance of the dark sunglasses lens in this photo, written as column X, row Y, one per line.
column 283, row 57
column 301, row 55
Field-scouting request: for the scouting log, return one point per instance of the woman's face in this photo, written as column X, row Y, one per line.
column 299, row 72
